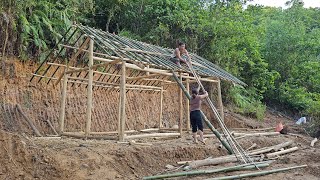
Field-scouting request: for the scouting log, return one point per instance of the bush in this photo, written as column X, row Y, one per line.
column 246, row 102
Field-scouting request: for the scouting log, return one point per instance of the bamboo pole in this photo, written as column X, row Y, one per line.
column 111, row 132
column 122, row 103
column 260, row 173
column 63, row 102
column 256, row 134
column 215, row 132
column 188, row 105
column 161, row 108
column 83, row 136
column 151, row 135
column 271, row 155
column 153, row 70
column 209, row 171
column 180, row 108
column 89, row 91
column 33, row 127
column 220, row 100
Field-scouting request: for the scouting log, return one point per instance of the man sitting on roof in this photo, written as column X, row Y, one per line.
column 180, row 54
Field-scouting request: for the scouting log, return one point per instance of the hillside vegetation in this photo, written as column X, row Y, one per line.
column 275, row 52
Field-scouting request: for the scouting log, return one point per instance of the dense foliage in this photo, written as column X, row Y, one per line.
column 275, row 51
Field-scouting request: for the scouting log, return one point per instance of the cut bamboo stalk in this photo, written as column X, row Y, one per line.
column 122, row 103
column 25, row 117
column 151, row 135
column 83, row 136
column 141, row 77
column 116, row 86
column 75, row 68
column 180, row 108
column 232, row 158
column 63, row 102
column 271, row 155
column 188, row 105
column 209, row 171
column 256, row 134
column 47, row 137
column 143, row 86
column 93, row 67
column 161, row 108
column 150, row 130
column 272, row 148
column 216, row 161
column 89, row 91
column 111, row 132
column 220, row 100
column 260, row 173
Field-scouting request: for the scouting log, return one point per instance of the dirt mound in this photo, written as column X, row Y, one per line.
column 21, row 159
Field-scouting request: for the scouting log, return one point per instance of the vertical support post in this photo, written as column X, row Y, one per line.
column 89, row 90
column 161, row 108
column 188, row 105
column 148, row 73
column 122, row 103
column 63, row 102
column 220, row 101
column 180, row 108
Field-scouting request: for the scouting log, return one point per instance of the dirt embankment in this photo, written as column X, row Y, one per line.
column 26, row 157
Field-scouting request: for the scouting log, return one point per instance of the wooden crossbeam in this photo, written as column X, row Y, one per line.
column 141, row 77
column 75, row 68
column 85, row 69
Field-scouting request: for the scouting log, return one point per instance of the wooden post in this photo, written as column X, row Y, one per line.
column 220, row 104
column 89, row 91
column 181, row 108
column 122, row 103
column 63, row 102
column 148, row 73
column 188, row 106
column 161, row 108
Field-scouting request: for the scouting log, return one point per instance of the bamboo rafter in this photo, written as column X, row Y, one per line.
column 140, row 54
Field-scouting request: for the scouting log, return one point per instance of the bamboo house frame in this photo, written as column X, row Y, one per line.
column 84, row 56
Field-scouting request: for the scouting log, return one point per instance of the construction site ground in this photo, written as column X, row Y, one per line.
column 26, row 157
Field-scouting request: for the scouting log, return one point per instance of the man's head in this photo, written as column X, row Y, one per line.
column 182, row 46
column 195, row 91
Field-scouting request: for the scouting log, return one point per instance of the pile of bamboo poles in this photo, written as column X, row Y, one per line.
column 262, row 157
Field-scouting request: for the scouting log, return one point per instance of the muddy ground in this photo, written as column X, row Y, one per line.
column 25, row 157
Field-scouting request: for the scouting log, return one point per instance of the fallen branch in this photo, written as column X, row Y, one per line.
column 35, row 130
column 261, row 173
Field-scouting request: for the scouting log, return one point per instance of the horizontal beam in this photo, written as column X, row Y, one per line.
column 111, row 132
column 116, row 87
column 71, row 67
column 150, row 135
column 152, row 70
column 141, row 77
